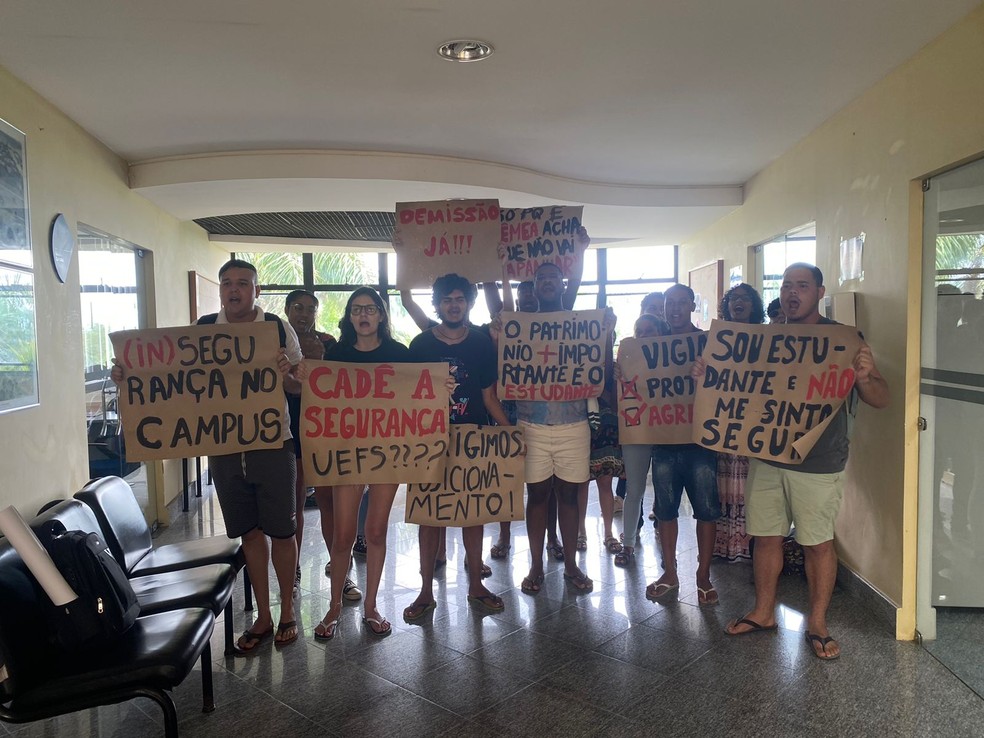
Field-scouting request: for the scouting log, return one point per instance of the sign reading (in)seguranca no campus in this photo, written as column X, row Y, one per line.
column 200, row 390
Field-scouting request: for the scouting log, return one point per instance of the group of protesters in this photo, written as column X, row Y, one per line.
column 732, row 498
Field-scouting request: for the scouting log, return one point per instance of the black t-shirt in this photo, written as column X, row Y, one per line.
column 473, row 364
column 389, row 351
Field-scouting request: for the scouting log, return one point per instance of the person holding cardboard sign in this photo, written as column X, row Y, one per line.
column 808, row 493
column 364, row 338
column 558, row 449
column 471, row 356
column 675, row 468
column 256, row 488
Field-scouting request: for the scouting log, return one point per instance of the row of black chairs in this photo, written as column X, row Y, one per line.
column 181, row 589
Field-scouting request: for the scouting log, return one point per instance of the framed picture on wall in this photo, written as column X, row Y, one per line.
column 18, row 334
column 707, row 282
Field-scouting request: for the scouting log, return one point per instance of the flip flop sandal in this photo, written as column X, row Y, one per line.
column 555, row 550
column 489, row 603
column 582, row 543
column 706, row 597
column 753, row 627
column 500, row 552
column 580, row 582
column 329, row 630
column 531, row 585
column 486, row 569
column 418, row 610
column 625, row 557
column 283, row 629
column 252, row 639
column 657, row 591
column 812, row 638
column 613, row 545
column 379, row 627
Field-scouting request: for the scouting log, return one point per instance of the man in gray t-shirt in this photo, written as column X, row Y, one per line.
column 811, row 491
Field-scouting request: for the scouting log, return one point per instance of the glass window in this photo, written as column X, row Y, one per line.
column 642, row 262
column 276, row 267
column 18, row 345
column 334, row 267
column 18, row 337
column 797, row 245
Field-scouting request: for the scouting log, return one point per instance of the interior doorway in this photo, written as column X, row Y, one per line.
column 113, row 283
column 951, row 491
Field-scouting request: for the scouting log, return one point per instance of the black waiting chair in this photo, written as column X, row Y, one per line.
column 209, row 586
column 148, row 660
column 129, row 539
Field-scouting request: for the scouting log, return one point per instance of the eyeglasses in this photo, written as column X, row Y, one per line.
column 736, row 297
column 360, row 309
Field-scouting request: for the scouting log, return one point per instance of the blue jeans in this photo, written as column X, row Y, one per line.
column 692, row 467
column 636, row 457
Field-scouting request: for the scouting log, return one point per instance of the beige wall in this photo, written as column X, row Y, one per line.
column 44, row 448
column 852, row 175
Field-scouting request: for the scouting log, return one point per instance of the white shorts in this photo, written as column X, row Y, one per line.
column 563, row 451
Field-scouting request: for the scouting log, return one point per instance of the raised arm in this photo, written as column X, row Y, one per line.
column 415, row 311
column 492, row 298
column 871, row 385
column 581, row 242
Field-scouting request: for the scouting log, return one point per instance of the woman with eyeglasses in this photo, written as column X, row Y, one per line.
column 741, row 304
column 364, row 338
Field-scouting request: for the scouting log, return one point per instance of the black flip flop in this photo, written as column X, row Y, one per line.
column 753, row 627
column 812, row 638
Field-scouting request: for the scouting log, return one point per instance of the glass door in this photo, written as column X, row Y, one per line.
column 111, row 273
column 951, row 492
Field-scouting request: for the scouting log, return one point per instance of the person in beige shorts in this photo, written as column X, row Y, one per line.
column 809, row 493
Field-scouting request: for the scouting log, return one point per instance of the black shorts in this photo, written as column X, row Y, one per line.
column 256, row 490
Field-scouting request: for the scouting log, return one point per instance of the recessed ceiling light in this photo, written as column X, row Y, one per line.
column 465, row 50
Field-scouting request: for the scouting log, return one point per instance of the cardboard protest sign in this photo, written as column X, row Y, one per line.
column 555, row 356
column 373, row 423
column 656, row 392
column 535, row 236
column 482, row 483
column 200, row 390
column 445, row 236
column 771, row 390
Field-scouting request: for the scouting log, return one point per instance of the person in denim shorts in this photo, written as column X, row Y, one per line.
column 676, row 468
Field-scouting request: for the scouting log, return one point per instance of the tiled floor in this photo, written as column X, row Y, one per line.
column 607, row 663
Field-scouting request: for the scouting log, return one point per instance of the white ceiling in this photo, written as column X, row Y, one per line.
column 653, row 113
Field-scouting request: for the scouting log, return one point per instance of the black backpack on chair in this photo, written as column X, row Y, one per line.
column 106, row 606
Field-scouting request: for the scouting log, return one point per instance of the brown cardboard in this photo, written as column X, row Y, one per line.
column 200, row 390
column 482, row 483
column 373, row 423
column 770, row 390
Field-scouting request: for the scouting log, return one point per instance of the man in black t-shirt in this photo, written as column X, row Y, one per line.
column 472, row 358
